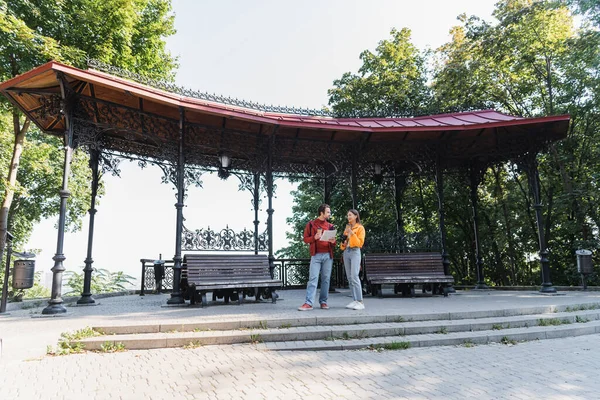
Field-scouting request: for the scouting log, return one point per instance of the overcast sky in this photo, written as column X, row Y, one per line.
column 269, row 51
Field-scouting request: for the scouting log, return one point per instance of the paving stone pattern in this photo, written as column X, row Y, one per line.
column 564, row 368
column 551, row 369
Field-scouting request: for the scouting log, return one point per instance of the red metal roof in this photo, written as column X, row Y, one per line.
column 443, row 122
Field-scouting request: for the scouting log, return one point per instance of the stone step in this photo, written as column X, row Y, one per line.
column 308, row 318
column 509, row 336
column 331, row 333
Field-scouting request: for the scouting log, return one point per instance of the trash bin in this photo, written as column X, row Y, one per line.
column 584, row 265
column 23, row 274
column 584, row 262
column 159, row 274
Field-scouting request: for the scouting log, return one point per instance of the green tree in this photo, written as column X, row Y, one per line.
column 126, row 33
column 534, row 61
column 391, row 81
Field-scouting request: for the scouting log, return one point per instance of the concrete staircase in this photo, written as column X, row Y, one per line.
column 321, row 332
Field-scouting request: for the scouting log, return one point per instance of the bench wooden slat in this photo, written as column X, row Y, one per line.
column 405, row 268
column 215, row 272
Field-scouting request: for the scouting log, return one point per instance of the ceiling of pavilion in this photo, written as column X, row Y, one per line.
column 124, row 116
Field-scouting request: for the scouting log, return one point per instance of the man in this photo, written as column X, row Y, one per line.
column 321, row 259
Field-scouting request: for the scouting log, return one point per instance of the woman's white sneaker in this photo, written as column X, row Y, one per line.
column 358, row 306
column 351, row 305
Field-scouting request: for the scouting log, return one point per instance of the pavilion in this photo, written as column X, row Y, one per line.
column 108, row 113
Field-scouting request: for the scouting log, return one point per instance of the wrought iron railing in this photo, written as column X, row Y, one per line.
column 293, row 273
column 150, row 271
column 222, row 240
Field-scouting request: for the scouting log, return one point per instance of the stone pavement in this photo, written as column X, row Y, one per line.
column 555, row 369
column 551, row 369
column 26, row 334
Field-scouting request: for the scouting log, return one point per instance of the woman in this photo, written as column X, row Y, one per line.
column 354, row 238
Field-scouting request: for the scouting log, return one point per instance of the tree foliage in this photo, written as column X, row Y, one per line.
column 103, row 281
column 533, row 60
column 126, row 33
column 391, row 81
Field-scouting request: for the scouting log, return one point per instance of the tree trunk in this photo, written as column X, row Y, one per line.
column 19, row 132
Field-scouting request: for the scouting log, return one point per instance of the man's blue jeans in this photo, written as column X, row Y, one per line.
column 319, row 263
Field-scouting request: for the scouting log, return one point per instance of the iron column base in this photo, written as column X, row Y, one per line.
column 450, row 289
column 53, row 309
column 176, row 299
column 481, row 286
column 86, row 299
column 548, row 289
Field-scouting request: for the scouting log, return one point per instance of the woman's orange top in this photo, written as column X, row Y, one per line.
column 356, row 240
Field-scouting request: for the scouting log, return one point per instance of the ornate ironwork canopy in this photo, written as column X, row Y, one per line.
column 117, row 114
column 112, row 115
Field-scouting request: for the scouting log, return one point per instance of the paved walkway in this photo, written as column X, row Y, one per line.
column 555, row 369
column 551, row 369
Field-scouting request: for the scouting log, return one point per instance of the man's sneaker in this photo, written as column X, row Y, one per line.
column 305, row 307
column 324, row 306
column 358, row 306
column 351, row 305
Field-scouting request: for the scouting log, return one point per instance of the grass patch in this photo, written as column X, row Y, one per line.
column 505, row 340
column 80, row 334
column 442, row 331
column 399, row 319
column 111, row 347
column 255, row 339
column 346, row 336
column 69, row 342
column 262, row 325
column 582, row 307
column 552, row 322
column 497, row 327
column 396, row 346
column 581, row 320
column 201, row 330
column 285, row 326
column 193, row 345
column 468, row 343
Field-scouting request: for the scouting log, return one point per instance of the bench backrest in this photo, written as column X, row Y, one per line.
column 225, row 267
column 385, row 264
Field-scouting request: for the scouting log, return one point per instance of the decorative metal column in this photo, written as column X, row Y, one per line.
column 329, row 182
column 399, row 188
column 86, row 295
column 68, row 103
column 354, row 181
column 270, row 201
column 531, row 169
column 255, row 202
column 176, row 295
column 440, row 192
column 475, row 177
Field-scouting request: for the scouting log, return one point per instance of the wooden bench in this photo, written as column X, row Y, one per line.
column 405, row 270
column 229, row 276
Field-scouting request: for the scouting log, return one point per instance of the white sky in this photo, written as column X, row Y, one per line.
column 278, row 52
